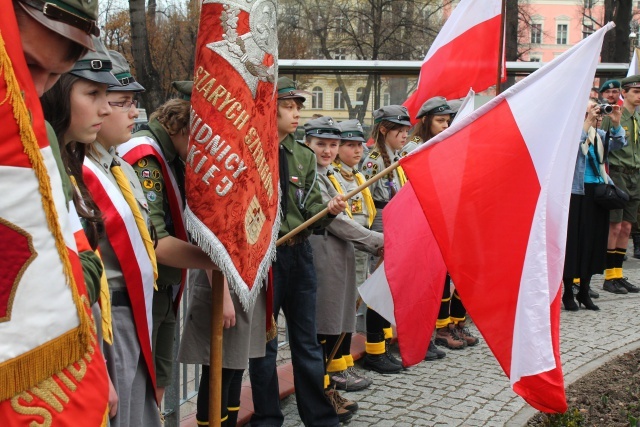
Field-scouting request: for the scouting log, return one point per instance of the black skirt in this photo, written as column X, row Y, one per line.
column 587, row 236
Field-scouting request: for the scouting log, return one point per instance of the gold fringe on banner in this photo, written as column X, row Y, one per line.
column 28, row 369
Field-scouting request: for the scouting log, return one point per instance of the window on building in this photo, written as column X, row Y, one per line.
column 587, row 30
column 340, row 53
column 534, row 58
column 338, row 100
column 536, row 33
column 359, row 94
column 561, row 33
column 386, row 99
column 317, row 98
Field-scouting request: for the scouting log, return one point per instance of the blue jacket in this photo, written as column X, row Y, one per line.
column 617, row 140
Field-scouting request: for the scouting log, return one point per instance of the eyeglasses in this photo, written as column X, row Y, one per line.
column 125, row 105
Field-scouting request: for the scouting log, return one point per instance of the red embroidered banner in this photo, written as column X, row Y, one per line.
column 232, row 162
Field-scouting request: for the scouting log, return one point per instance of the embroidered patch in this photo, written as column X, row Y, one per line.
column 143, row 163
column 155, row 174
column 148, row 184
column 146, row 173
column 369, row 164
column 374, row 155
column 157, row 186
column 294, row 179
column 300, row 167
column 151, row 196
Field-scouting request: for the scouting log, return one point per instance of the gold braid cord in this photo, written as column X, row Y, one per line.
column 28, row 369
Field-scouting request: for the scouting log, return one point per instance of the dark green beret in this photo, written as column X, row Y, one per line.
column 185, row 87
column 609, row 84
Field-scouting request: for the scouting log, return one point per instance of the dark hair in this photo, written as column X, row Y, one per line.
column 56, row 105
column 173, row 115
column 378, row 139
column 299, row 102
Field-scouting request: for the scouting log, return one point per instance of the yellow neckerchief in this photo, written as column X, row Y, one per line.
column 366, row 195
column 339, row 189
column 401, row 176
column 104, row 299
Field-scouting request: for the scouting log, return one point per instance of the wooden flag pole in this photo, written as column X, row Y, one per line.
column 503, row 15
column 325, row 211
column 215, row 356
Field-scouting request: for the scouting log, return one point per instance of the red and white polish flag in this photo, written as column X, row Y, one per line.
column 464, row 54
column 496, row 196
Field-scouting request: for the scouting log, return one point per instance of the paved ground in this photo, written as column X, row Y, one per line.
column 468, row 388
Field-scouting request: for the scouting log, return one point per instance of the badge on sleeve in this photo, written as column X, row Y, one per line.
column 151, row 196
column 148, row 184
column 146, row 173
column 155, row 174
column 143, row 163
column 369, row 164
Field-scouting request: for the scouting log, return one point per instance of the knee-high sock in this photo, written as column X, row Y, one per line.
column 444, row 315
column 458, row 312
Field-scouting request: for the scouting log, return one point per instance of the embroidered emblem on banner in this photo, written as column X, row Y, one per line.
column 18, row 252
column 254, row 221
column 246, row 52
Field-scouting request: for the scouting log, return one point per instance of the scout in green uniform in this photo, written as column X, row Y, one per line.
column 168, row 129
column 624, row 169
column 294, row 280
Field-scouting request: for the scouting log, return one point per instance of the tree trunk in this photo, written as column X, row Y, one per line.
column 511, row 38
column 146, row 73
column 151, row 11
column 616, row 46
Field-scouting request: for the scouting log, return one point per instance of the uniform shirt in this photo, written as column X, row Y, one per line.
column 152, row 181
column 91, row 265
column 303, row 188
column 343, row 226
column 383, row 189
column 104, row 158
column 410, row 146
column 356, row 204
column 629, row 155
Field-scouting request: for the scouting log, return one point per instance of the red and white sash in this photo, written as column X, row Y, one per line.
column 128, row 246
column 143, row 146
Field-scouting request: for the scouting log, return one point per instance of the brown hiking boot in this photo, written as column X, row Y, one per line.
column 448, row 337
column 337, row 401
column 463, row 332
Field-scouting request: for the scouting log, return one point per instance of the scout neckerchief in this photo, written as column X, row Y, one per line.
column 366, row 193
column 339, row 189
column 47, row 338
column 124, row 236
column 143, row 146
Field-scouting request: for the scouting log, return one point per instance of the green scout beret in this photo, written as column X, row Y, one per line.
column 185, row 87
column 392, row 113
column 631, row 81
column 609, row 84
column 122, row 71
column 73, row 19
column 351, row 130
column 436, row 106
column 287, row 89
column 96, row 66
column 322, row 127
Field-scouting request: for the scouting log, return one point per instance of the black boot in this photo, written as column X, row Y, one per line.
column 567, row 296
column 583, row 297
column 636, row 245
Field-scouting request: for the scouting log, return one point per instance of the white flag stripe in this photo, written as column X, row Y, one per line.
column 466, row 15
column 375, row 292
column 467, row 106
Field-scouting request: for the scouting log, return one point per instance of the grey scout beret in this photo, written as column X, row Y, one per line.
column 123, row 73
column 436, row 106
column 392, row 113
column 96, row 66
column 351, row 130
column 322, row 127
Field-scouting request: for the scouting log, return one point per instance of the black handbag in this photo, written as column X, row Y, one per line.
column 610, row 197
column 607, row 196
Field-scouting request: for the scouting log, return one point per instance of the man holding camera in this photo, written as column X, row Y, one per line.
column 624, row 169
column 610, row 92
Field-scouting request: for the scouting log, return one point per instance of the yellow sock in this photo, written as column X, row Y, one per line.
column 337, row 365
column 443, row 323
column 609, row 274
column 349, row 360
column 374, row 347
column 617, row 272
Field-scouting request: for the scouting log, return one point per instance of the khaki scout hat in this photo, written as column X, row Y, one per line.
column 122, row 72
column 73, row 19
column 351, row 130
column 96, row 66
column 631, row 81
column 436, row 106
column 185, row 87
column 392, row 113
column 287, row 89
column 322, row 127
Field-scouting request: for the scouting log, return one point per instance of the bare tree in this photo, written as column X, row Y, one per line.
column 617, row 45
column 362, row 29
